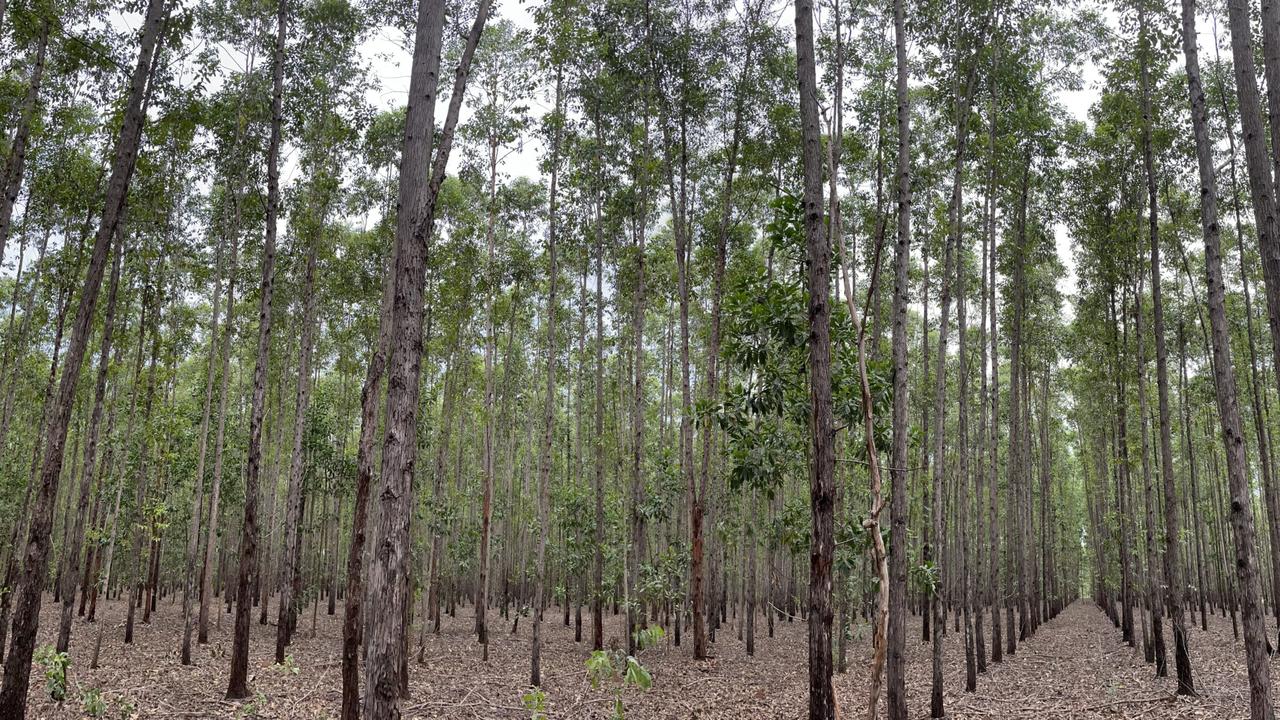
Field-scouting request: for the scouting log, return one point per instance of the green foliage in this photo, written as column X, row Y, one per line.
column 620, row 670
column 790, row 528
column 663, row 578
column 92, row 703
column 648, row 637
column 54, row 664
column 252, row 708
column 535, row 701
column 924, row 577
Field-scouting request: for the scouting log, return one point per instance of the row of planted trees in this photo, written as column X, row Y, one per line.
column 739, row 311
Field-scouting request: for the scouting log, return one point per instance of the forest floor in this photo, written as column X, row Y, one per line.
column 1075, row 667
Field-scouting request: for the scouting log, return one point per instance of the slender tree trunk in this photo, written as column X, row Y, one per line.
column 597, row 442
column 486, row 459
column 238, row 680
column 15, row 163
column 1268, row 224
column 142, row 530
column 962, row 486
column 635, row 614
column 75, row 546
column 215, row 489
column 1153, row 575
column 1202, row 587
column 197, row 489
column 548, row 418
column 388, row 576
column 982, row 597
column 291, row 576
column 416, row 159
column 897, row 693
column 1172, row 561
column 993, row 435
column 822, row 470
column 1260, row 703
column 17, row 668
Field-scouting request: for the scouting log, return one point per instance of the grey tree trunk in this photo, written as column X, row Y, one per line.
column 1242, row 525
column 389, row 573
column 75, row 545
column 17, row 668
column 822, row 704
column 548, row 417
column 238, row 680
column 896, row 668
column 219, row 441
column 291, row 577
column 15, row 164
column 197, row 490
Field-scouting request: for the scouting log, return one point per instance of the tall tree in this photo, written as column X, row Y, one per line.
column 238, row 678
column 897, row 690
column 17, row 665
column 388, row 576
column 822, row 426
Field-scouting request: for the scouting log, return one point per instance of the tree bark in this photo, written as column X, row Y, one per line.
column 238, row 680
column 76, row 539
column 548, row 417
column 1260, row 702
column 291, row 577
column 197, row 490
column 822, row 448
column 388, row 576
column 897, row 692
column 17, row 668
column 414, row 163
column 15, row 163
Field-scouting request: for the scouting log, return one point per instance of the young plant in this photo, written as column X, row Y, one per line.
column 535, row 701
column 620, row 670
column 54, row 665
column 93, row 704
column 289, row 666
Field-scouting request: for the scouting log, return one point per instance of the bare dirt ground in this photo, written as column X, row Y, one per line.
column 1075, row 667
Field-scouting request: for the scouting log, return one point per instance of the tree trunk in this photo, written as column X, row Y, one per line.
column 291, row 575
column 197, row 489
column 897, row 692
column 388, row 576
column 238, row 680
column 597, row 442
column 15, row 163
column 822, row 470
column 17, row 668
column 492, row 280
column 76, row 541
column 1260, row 703
column 548, row 418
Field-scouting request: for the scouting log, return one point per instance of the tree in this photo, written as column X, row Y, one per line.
column 822, row 470
column 238, row 679
column 896, row 669
column 17, row 667
column 388, row 577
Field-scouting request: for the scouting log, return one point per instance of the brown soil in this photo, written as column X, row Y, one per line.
column 1075, row 667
